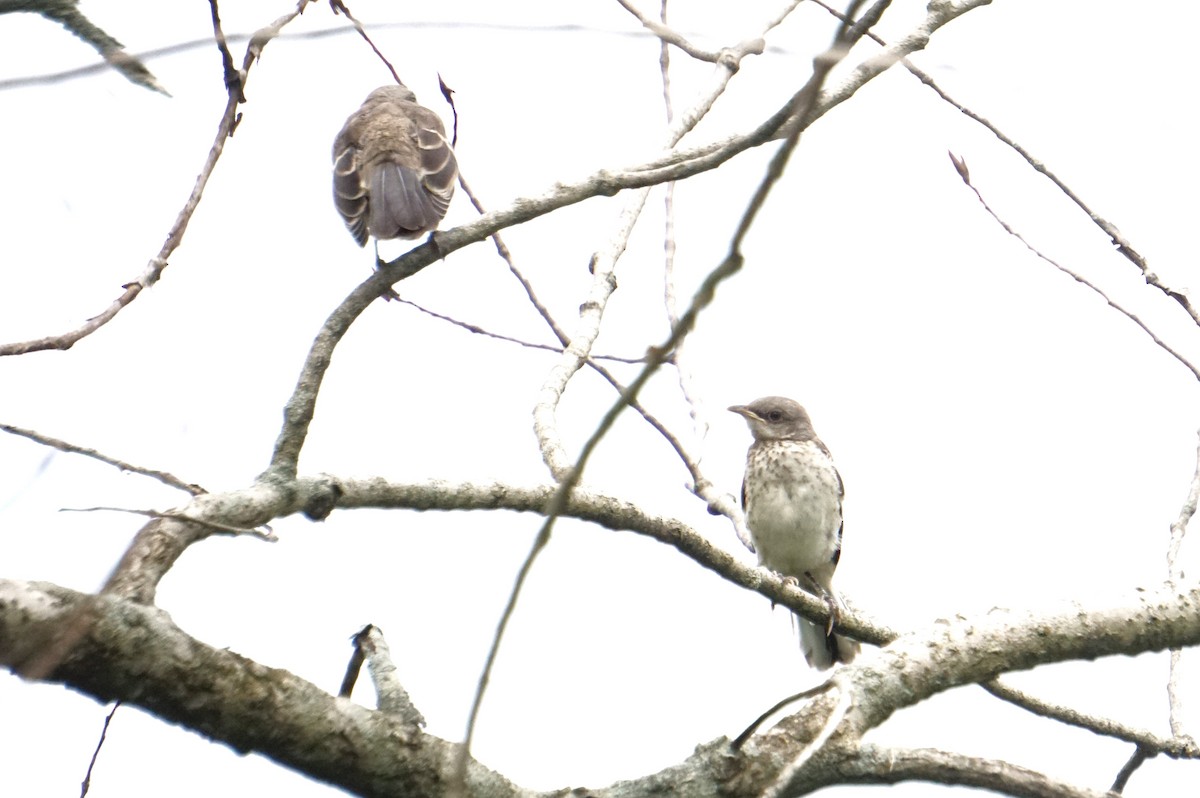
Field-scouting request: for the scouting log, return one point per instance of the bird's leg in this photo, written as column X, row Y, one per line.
column 831, row 603
column 787, row 580
column 433, row 241
column 390, row 293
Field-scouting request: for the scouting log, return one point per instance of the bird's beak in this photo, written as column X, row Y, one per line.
column 743, row 411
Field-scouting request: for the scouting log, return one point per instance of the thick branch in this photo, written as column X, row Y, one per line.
column 968, row 650
column 136, row 654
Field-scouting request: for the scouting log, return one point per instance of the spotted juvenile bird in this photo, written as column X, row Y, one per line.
column 393, row 169
column 792, row 496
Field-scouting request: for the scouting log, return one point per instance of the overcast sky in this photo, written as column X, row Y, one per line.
column 1006, row 438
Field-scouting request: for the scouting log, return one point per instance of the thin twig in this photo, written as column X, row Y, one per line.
column 1108, row 228
column 844, row 700
column 603, row 266
column 390, row 695
column 798, row 107
column 1176, row 748
column 262, row 534
column 961, row 167
column 675, row 164
column 154, row 269
column 1139, row 756
column 749, row 731
column 558, row 331
column 669, row 36
column 112, row 51
column 883, row 765
column 233, row 80
column 70, row 448
column 354, row 666
column 87, row 779
column 499, row 337
column 1175, row 574
column 718, row 502
column 340, row 8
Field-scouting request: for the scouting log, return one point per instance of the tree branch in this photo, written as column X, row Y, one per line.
column 674, row 165
column 134, row 653
column 67, row 14
column 70, row 448
column 154, row 269
column 875, row 765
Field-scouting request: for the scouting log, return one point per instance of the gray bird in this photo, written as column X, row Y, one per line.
column 393, row 169
column 792, row 496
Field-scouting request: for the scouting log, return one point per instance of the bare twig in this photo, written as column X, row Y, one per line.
column 961, row 167
column 798, row 108
column 233, row 80
column 1108, row 228
column 499, row 337
column 1139, row 756
column 354, row 666
column 783, row 780
column 70, row 448
column 717, row 501
column 749, row 731
column 67, row 14
column 674, row 165
column 226, row 529
column 603, row 265
column 156, row 266
column 873, row 764
column 390, row 695
column 340, row 8
column 669, row 36
column 1175, row 574
column 1176, row 748
column 87, row 778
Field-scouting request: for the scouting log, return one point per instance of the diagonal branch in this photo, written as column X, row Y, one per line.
column 135, row 653
column 67, row 14
column 70, row 448
column 961, row 167
column 799, row 108
column 878, row 765
column 673, row 37
column 154, row 269
column 1176, row 748
column 1108, row 228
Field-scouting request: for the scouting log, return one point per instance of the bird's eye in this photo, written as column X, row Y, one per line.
column 775, row 416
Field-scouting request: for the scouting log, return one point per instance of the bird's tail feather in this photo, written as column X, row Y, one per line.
column 822, row 650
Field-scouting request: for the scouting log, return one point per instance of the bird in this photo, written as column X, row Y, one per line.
column 393, row 169
column 792, row 497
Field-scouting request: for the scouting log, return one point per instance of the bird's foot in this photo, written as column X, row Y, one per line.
column 433, row 242
column 831, row 602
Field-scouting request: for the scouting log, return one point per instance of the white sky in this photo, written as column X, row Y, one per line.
column 1005, row 437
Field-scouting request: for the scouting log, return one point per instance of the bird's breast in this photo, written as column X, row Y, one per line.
column 793, row 506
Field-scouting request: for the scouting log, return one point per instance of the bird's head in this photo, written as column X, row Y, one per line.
column 398, row 93
column 776, row 418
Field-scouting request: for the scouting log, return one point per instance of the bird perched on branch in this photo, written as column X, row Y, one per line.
column 393, row 169
column 792, row 496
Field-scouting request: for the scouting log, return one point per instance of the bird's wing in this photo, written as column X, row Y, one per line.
column 349, row 192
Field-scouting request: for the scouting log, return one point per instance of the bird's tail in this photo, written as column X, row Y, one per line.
column 822, row 650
